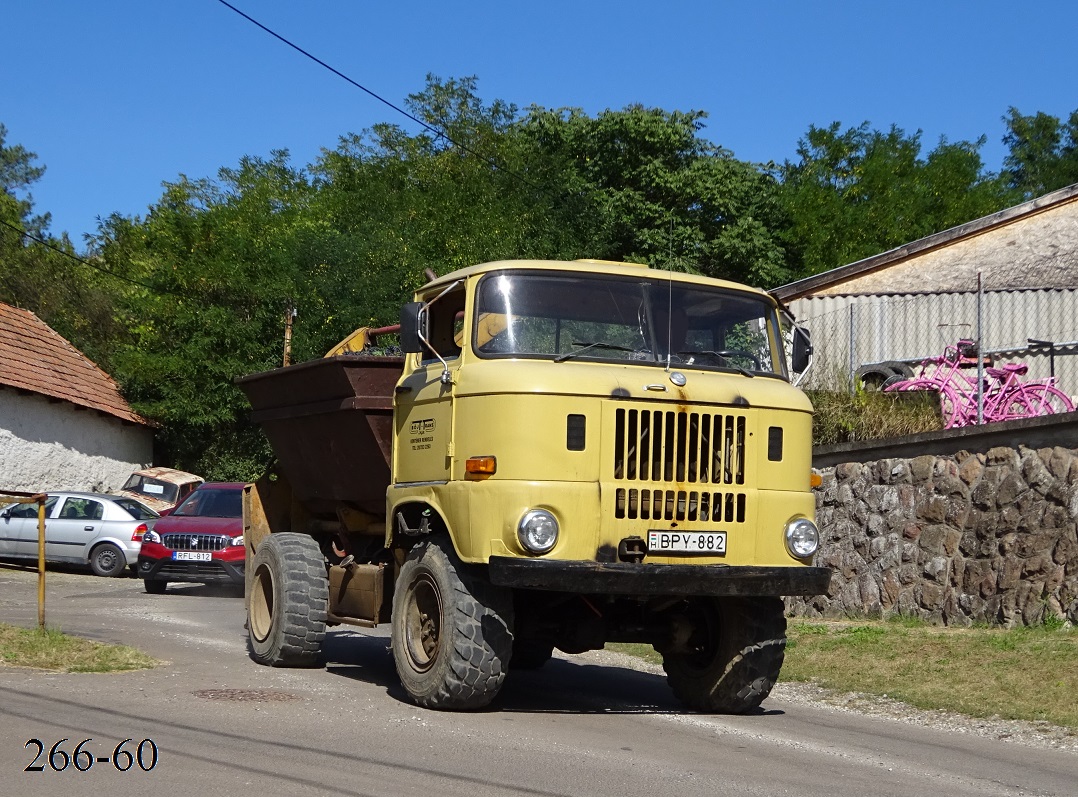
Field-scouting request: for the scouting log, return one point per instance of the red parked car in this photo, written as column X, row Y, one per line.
column 201, row 541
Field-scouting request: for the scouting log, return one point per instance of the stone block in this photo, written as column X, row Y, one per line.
column 1010, row 487
column 933, row 509
column 931, row 540
column 921, row 468
column 1060, row 463
column 971, row 469
column 931, row 596
column 1002, row 455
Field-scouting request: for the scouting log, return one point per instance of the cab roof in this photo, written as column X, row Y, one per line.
column 587, row 266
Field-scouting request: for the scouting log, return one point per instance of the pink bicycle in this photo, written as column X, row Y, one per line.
column 1005, row 396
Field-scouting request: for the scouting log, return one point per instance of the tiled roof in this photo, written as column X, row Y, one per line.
column 35, row 358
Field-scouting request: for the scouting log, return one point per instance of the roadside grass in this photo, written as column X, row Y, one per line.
column 50, row 649
column 1021, row 673
column 843, row 417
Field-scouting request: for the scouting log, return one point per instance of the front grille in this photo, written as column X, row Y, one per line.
column 673, row 446
column 195, row 542
column 682, row 466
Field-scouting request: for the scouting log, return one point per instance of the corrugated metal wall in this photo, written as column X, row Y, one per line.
column 849, row 331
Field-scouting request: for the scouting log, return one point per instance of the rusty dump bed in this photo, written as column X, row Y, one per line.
column 330, row 422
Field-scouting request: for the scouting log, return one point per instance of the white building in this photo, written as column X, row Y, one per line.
column 63, row 422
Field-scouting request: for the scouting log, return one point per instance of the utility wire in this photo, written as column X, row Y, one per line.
column 490, row 161
column 78, row 259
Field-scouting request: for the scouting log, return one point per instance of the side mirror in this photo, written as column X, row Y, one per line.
column 802, row 349
column 412, row 321
column 6, row 514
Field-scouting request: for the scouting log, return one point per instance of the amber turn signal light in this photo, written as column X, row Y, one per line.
column 815, row 479
column 481, row 466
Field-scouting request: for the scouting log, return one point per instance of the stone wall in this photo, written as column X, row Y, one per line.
column 956, row 539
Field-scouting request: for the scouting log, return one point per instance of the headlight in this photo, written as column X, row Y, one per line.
column 802, row 538
column 236, row 540
column 151, row 536
column 538, row 531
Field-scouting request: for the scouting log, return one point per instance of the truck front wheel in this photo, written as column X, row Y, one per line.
column 286, row 614
column 724, row 654
column 452, row 630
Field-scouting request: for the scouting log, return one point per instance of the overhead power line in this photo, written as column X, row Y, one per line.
column 426, row 126
column 78, row 259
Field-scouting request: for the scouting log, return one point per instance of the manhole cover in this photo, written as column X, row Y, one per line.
column 244, row 695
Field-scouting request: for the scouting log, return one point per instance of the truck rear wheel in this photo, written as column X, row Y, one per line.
column 286, row 614
column 452, row 630
column 726, row 653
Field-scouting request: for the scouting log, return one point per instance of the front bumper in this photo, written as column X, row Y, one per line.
column 166, row 569
column 599, row 578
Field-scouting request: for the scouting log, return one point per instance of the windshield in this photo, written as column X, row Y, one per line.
column 647, row 321
column 211, row 503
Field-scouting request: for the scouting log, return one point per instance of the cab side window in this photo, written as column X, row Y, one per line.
column 446, row 325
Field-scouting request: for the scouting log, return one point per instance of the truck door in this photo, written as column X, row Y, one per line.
column 423, row 401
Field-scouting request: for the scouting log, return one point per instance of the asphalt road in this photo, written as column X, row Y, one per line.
column 223, row 725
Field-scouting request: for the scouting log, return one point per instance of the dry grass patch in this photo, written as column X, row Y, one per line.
column 871, row 415
column 50, row 649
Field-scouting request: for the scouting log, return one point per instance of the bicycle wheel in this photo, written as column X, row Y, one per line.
column 953, row 410
column 1046, row 399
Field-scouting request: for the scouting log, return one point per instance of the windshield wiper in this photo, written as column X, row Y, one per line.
column 724, row 356
column 587, row 347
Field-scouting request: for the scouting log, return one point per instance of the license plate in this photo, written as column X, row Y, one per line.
column 686, row 542
column 192, row 556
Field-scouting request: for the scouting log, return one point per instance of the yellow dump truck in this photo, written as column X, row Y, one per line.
column 565, row 454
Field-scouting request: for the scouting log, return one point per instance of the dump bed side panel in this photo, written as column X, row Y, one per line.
column 330, row 423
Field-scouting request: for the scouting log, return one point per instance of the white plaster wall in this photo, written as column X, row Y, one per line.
column 50, row 445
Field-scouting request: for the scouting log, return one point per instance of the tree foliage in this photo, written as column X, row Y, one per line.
column 857, row 192
column 1042, row 152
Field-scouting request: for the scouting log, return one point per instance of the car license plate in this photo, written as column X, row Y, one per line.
column 192, row 556
column 686, row 542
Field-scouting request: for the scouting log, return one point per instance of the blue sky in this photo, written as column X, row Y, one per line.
column 117, row 96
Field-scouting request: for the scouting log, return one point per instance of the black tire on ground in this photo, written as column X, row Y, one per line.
column 899, row 368
column 530, row 654
column 286, row 613
column 107, row 560
column 732, row 655
column 892, row 381
column 155, row 587
column 452, row 630
column 873, row 377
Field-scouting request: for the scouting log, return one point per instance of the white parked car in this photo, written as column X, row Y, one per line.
column 102, row 531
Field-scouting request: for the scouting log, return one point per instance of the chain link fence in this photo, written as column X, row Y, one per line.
column 858, row 338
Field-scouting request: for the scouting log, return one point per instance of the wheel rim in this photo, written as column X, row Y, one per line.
column 260, row 612
column 107, row 560
column 423, row 622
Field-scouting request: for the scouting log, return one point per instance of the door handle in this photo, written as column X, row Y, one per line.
column 87, row 528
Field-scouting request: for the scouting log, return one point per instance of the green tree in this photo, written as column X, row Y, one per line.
column 857, row 192
column 218, row 263
column 642, row 185
column 1043, row 152
column 41, row 273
